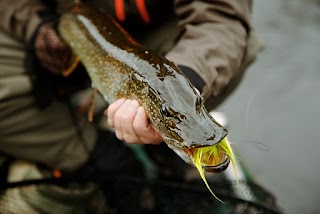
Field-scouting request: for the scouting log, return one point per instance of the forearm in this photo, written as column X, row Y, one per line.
column 213, row 40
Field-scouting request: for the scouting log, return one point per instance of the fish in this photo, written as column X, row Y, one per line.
column 120, row 67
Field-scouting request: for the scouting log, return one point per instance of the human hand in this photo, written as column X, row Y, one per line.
column 131, row 122
column 50, row 50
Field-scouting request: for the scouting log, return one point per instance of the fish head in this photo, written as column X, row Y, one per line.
column 186, row 126
column 196, row 133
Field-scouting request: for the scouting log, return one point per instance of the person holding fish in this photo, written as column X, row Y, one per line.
column 208, row 41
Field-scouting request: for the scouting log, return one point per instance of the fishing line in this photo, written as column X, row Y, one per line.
column 248, row 108
column 259, row 145
column 252, row 98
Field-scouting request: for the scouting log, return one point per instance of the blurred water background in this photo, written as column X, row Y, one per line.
column 278, row 104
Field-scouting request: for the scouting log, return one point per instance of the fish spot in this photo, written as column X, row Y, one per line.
column 211, row 138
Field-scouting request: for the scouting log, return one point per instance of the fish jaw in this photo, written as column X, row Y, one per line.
column 195, row 129
column 212, row 158
column 219, row 164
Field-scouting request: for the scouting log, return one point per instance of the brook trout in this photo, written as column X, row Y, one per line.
column 120, row 67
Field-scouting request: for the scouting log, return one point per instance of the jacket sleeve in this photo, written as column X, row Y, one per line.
column 21, row 18
column 212, row 40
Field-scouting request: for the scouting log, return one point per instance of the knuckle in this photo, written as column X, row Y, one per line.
column 118, row 115
column 111, row 108
column 138, row 126
column 131, row 139
column 110, row 123
column 119, row 134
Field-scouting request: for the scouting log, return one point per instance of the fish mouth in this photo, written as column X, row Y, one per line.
column 218, row 168
column 212, row 159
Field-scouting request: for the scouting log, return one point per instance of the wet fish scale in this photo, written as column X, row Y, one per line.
column 120, row 67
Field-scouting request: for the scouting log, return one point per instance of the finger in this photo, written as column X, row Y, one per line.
column 123, row 116
column 119, row 134
column 127, row 114
column 111, row 110
column 120, row 114
column 144, row 130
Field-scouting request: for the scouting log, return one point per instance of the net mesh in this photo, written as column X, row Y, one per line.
column 51, row 51
column 132, row 195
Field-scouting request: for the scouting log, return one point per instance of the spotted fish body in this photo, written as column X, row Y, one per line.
column 120, row 67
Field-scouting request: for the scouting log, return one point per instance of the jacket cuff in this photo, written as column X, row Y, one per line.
column 194, row 78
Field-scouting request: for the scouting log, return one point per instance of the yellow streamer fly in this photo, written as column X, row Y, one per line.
column 212, row 155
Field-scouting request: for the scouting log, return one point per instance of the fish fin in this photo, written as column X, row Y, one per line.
column 92, row 104
column 84, row 103
column 71, row 65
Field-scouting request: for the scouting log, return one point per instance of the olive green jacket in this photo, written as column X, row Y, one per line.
column 213, row 35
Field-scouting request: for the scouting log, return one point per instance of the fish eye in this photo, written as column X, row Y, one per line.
column 168, row 112
column 172, row 115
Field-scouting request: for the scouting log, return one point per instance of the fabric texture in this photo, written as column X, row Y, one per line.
column 47, row 135
column 212, row 41
column 52, row 53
